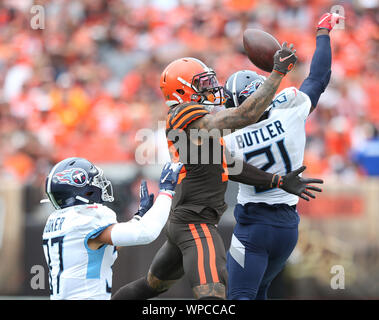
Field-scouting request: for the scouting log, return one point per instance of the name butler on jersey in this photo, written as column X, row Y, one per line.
column 265, row 144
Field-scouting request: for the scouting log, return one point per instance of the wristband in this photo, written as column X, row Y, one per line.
column 168, row 193
column 281, row 181
column 281, row 73
column 276, row 181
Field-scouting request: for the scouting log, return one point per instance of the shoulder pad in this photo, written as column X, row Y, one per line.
column 286, row 98
column 182, row 115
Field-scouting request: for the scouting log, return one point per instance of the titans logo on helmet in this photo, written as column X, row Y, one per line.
column 252, row 87
column 76, row 177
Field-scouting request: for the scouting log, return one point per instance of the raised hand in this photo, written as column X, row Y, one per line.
column 329, row 20
column 146, row 199
column 284, row 59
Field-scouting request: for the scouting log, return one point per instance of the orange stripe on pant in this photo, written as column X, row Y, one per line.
column 212, row 253
column 200, row 254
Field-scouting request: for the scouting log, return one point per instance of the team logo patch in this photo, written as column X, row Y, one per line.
column 250, row 88
column 76, row 177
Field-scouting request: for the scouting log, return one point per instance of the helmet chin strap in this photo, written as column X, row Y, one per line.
column 208, row 103
column 207, row 99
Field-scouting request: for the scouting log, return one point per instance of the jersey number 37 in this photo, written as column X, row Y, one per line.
column 53, row 251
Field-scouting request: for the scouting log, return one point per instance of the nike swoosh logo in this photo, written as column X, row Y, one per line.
column 164, row 179
column 284, row 59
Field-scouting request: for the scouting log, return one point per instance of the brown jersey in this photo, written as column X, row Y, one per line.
column 201, row 186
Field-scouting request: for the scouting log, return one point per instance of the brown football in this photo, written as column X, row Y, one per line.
column 260, row 48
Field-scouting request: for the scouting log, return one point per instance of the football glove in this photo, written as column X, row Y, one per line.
column 329, row 20
column 293, row 183
column 284, row 59
column 146, row 199
column 169, row 177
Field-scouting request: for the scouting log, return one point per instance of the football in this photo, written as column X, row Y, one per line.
column 260, row 48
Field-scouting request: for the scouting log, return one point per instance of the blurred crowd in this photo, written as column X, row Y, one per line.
column 89, row 80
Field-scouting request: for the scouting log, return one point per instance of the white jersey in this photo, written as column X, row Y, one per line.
column 275, row 145
column 76, row 271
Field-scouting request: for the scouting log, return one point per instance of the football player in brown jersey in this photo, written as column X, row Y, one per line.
column 194, row 246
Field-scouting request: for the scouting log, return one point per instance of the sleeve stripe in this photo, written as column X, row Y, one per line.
column 187, row 109
column 187, row 119
column 165, row 194
column 168, row 121
column 182, row 113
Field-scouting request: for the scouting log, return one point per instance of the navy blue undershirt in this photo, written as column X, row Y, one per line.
column 316, row 82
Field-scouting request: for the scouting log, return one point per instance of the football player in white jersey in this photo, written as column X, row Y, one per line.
column 80, row 237
column 266, row 231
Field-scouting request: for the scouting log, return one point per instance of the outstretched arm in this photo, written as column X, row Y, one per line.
column 318, row 79
column 252, row 176
column 140, row 231
column 253, row 107
column 146, row 226
column 248, row 113
column 291, row 182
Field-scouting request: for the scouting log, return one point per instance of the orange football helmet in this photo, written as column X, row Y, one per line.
column 189, row 79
